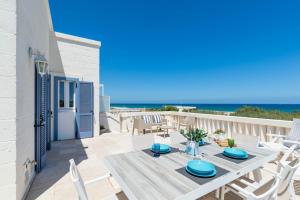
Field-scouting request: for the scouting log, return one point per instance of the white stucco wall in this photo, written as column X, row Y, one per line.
column 8, row 99
column 77, row 57
column 25, row 24
column 32, row 31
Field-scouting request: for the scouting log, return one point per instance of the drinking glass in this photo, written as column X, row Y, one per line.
column 156, row 149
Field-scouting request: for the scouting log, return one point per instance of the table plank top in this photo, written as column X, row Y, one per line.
column 144, row 177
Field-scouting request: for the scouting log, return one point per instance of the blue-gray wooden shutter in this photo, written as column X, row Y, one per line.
column 86, row 110
column 41, row 125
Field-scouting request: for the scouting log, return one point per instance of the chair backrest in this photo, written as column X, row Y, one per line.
column 294, row 133
column 267, row 191
column 77, row 181
column 140, row 142
column 287, row 172
column 245, row 140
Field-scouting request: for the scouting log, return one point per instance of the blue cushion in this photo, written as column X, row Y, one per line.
column 201, row 167
column 147, row 119
column 157, row 119
column 238, row 153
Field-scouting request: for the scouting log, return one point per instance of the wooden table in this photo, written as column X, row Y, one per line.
column 144, row 177
column 166, row 128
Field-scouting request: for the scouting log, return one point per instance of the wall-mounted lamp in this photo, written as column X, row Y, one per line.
column 40, row 61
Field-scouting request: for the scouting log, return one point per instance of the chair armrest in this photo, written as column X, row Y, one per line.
column 276, row 135
column 292, row 142
column 240, row 190
column 247, row 183
column 100, row 178
column 269, row 171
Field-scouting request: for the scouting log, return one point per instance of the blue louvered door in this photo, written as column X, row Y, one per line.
column 42, row 121
column 86, row 110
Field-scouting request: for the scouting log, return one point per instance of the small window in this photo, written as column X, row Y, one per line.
column 61, row 94
column 71, row 94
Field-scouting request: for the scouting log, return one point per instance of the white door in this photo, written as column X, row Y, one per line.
column 66, row 110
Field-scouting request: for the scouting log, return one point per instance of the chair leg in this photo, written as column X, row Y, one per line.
column 292, row 191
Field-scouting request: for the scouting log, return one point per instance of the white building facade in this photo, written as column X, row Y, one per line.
column 36, row 110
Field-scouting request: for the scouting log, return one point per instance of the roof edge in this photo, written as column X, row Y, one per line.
column 78, row 39
column 46, row 2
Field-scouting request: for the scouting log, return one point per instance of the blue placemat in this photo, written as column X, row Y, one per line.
column 149, row 152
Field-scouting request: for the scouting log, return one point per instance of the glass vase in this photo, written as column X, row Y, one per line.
column 192, row 148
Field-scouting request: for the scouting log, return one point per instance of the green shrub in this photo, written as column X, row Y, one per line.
column 213, row 112
column 165, row 108
column 256, row 112
column 170, row 108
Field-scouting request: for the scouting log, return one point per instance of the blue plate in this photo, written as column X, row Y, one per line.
column 235, row 152
column 201, row 175
column 164, row 148
column 200, row 167
column 235, row 157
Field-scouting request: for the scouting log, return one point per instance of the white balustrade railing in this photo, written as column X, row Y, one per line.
column 210, row 123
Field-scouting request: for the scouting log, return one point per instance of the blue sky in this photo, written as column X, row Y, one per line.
column 193, row 51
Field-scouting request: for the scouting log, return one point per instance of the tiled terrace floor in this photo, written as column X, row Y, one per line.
column 54, row 181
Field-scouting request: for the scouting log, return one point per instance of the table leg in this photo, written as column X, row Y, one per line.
column 217, row 193
column 257, row 175
column 222, row 193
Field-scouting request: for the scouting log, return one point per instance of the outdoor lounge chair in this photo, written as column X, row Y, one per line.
column 285, row 189
column 80, row 185
column 148, row 122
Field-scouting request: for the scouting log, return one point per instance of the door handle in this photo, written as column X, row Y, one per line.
column 38, row 125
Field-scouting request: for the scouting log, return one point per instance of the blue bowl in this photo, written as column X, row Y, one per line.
column 200, row 167
column 164, row 148
column 201, row 175
column 235, row 153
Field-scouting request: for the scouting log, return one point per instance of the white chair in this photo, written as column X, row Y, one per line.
column 140, row 142
column 250, row 191
column 282, row 143
column 80, row 185
column 287, row 173
column 285, row 189
column 246, row 140
column 288, row 146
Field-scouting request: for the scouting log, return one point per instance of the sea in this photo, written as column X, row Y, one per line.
column 215, row 107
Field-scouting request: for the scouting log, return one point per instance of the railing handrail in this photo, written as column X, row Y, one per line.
column 236, row 119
